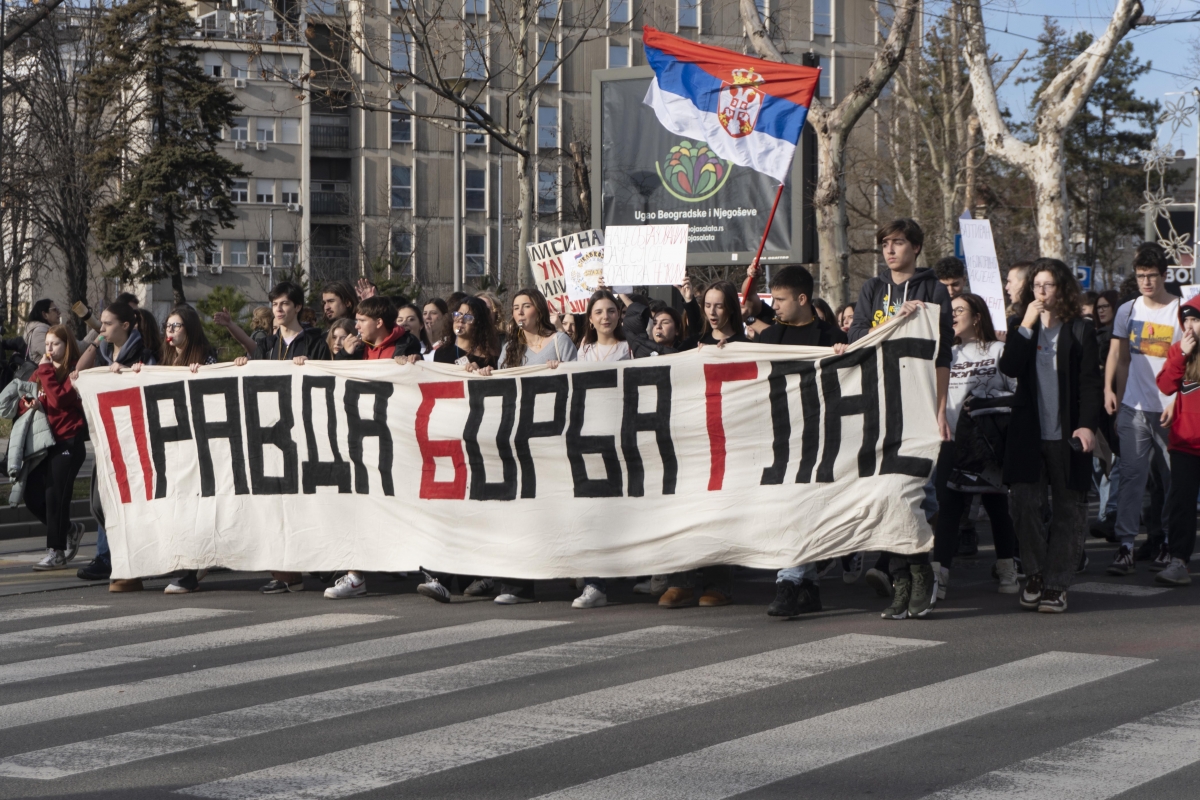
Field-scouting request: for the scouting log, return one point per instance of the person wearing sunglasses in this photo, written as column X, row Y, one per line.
column 476, row 343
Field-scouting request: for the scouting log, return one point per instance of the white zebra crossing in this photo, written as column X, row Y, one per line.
column 169, row 686
column 754, row 761
column 111, row 625
column 14, row 614
column 174, row 737
column 385, row 763
column 195, row 643
column 1098, row 767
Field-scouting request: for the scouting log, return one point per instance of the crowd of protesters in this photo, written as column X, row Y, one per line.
column 1078, row 392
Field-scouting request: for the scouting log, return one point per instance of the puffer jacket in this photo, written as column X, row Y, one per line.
column 31, row 436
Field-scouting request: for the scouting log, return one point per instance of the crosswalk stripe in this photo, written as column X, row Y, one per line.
column 384, row 763
column 14, row 614
column 1098, row 767
column 750, row 762
column 169, row 686
column 1122, row 589
column 174, row 737
column 111, row 625
column 162, row 648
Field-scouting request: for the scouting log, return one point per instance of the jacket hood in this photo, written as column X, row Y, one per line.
column 396, row 334
column 1193, row 304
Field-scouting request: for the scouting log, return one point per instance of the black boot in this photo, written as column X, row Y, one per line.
column 787, row 600
column 98, row 569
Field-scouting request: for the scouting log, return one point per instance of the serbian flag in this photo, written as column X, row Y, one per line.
column 748, row 110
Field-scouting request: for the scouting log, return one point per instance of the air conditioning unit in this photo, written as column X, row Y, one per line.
column 260, row 146
column 190, row 271
column 294, row 208
column 239, row 83
column 239, row 145
column 215, row 269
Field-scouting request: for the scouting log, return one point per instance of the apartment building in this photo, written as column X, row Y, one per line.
column 345, row 191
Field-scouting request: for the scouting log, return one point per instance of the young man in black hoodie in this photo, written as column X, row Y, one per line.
column 885, row 298
column 289, row 342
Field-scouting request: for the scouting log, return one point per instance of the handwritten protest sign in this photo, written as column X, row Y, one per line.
column 645, row 255
column 983, row 270
column 560, row 265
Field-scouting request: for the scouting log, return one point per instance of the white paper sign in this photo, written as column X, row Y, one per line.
column 983, row 270
column 1189, row 291
column 559, row 265
column 645, row 255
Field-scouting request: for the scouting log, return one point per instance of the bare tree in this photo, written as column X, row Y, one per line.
column 1042, row 159
column 833, row 124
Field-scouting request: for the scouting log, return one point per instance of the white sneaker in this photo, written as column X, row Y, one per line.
column 942, row 576
column 73, row 540
column 346, row 586
column 1006, row 572
column 55, row 559
column 591, row 598
column 654, row 586
column 433, row 589
column 509, row 599
column 853, row 571
column 480, row 587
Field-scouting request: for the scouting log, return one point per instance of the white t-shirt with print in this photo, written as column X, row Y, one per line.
column 974, row 372
column 1150, row 333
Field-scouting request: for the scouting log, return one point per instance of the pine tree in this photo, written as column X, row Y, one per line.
column 174, row 185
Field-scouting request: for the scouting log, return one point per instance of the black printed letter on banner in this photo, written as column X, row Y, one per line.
column 230, row 429
column 578, row 446
column 360, row 429
column 316, row 472
column 181, row 431
column 893, row 462
column 658, row 420
column 838, row 405
column 506, row 390
column 278, row 435
column 528, row 429
column 781, row 421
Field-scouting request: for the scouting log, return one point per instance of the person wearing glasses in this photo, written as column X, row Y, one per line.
column 1143, row 331
column 476, row 344
column 1051, row 351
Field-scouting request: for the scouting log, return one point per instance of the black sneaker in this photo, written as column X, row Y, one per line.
column 98, row 569
column 1162, row 559
column 1123, row 562
column 787, row 600
column 968, row 542
column 1031, row 595
column 924, row 590
column 1147, row 551
column 1053, row 601
column 282, row 587
column 810, row 597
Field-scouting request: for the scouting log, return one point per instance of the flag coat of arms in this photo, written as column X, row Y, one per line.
column 749, row 111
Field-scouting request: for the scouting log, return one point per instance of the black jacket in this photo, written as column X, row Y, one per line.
column 310, row 344
column 637, row 319
column 880, row 299
column 1079, row 385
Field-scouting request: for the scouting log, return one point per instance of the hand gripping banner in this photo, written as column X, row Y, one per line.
column 752, row 454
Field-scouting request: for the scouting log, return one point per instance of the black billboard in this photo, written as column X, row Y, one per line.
column 643, row 174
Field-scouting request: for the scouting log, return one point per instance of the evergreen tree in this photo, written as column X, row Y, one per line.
column 174, row 185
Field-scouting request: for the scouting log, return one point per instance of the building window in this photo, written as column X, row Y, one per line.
column 264, row 129
column 291, row 67
column 476, row 190
column 476, row 255
column 212, row 258
column 262, row 254
column 821, row 17
column 401, row 123
column 264, row 191
column 688, row 13
column 618, row 55
column 239, row 190
column 547, row 192
column 213, row 65
column 289, row 190
column 401, row 186
column 240, row 130
column 618, row 12
column 474, row 136
column 290, row 130
column 402, row 252
column 266, row 66
column 401, row 52
column 238, row 254
column 547, row 131
column 823, row 81
column 239, row 65
column 476, row 7
column 548, row 64
column 547, row 9
column 475, row 54
column 328, row 7
column 287, row 255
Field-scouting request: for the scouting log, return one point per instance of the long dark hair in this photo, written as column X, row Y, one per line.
column 482, row 335
column 514, row 355
column 589, row 333
column 1066, row 305
column 196, row 351
column 823, row 311
column 416, row 309
column 147, row 325
column 38, row 312
column 978, row 306
column 125, row 315
column 733, row 307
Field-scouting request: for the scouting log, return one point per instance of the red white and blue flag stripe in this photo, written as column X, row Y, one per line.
column 749, row 111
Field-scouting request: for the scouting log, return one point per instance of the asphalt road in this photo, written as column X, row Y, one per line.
column 229, row 694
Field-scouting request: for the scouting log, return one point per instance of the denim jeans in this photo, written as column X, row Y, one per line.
column 101, row 542
column 1107, row 486
column 798, row 573
column 1143, row 446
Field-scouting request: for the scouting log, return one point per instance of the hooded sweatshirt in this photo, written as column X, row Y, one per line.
column 1185, row 430
column 880, row 300
column 398, row 342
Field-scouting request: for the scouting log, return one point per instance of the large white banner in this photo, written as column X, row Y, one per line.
column 751, row 454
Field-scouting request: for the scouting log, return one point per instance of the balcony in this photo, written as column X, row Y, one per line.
column 330, row 137
column 331, row 264
column 330, row 199
column 261, row 25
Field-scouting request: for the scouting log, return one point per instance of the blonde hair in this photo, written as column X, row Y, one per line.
column 261, row 319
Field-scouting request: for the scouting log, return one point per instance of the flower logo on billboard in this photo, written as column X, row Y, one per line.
column 691, row 172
